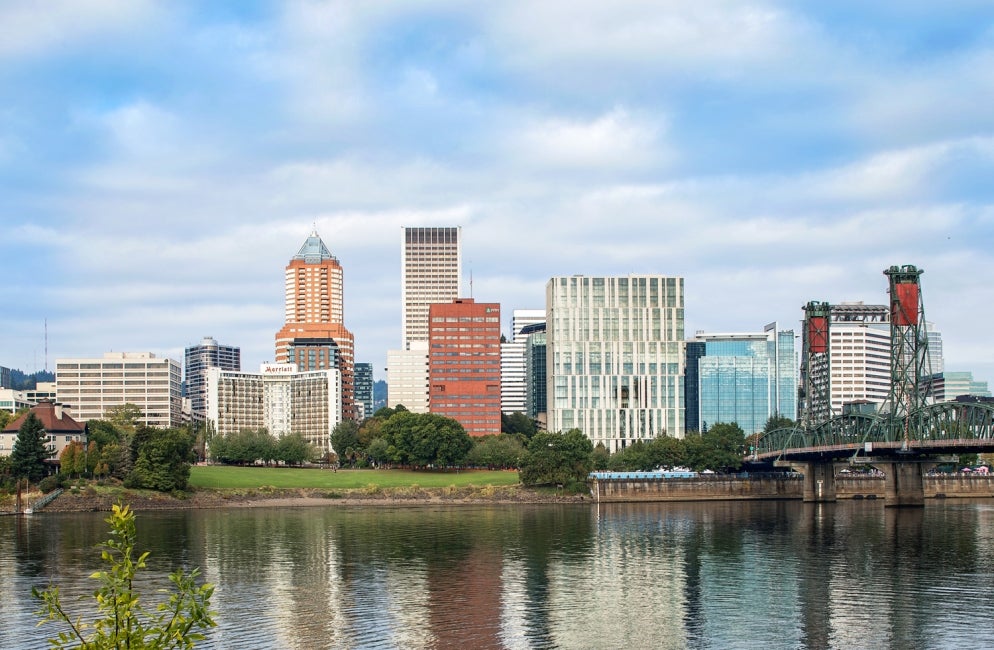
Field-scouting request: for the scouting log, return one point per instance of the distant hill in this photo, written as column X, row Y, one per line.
column 379, row 395
column 20, row 381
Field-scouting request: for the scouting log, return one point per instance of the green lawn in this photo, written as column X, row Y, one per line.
column 222, row 476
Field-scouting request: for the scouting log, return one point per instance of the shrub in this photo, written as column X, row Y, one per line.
column 49, row 483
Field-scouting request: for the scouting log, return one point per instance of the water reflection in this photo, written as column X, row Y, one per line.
column 711, row 575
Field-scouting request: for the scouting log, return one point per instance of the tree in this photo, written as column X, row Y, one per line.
column 27, row 459
column 123, row 622
column 721, row 448
column 345, row 438
column 600, row 457
column 294, row 450
column 5, row 418
column 72, row 460
column 777, row 421
column 517, row 423
column 557, row 459
column 501, row 451
column 163, row 461
column 423, row 439
column 125, row 416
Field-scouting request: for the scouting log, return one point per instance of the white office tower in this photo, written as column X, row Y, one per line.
column 91, row 386
column 431, row 263
column 407, row 378
column 429, row 276
column 615, row 362
column 513, row 382
column 936, row 360
column 859, row 349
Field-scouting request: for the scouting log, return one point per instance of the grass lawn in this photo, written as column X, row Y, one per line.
column 222, row 476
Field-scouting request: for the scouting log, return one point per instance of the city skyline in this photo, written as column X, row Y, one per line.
column 159, row 163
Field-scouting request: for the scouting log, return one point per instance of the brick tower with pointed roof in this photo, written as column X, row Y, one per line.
column 314, row 336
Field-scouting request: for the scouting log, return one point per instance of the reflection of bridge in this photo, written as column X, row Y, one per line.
column 905, row 436
column 902, row 448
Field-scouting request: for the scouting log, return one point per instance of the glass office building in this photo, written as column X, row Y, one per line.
column 743, row 378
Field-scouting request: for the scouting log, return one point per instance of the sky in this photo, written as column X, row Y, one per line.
column 161, row 162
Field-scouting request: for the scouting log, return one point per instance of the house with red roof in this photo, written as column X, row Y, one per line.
column 60, row 428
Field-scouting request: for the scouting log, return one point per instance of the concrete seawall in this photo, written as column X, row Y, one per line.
column 733, row 487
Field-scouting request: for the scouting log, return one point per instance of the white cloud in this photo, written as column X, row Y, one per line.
column 33, row 28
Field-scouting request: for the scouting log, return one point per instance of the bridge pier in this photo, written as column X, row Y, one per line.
column 904, row 483
column 819, row 482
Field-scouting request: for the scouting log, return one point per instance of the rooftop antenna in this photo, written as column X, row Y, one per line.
column 471, row 280
column 46, row 345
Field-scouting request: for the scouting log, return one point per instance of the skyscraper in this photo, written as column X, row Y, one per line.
column 513, row 383
column 464, row 364
column 615, row 357
column 855, row 365
column 197, row 359
column 364, row 388
column 535, row 372
column 430, row 270
column 314, row 336
column 432, row 263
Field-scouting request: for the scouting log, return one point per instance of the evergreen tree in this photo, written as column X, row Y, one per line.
column 27, row 459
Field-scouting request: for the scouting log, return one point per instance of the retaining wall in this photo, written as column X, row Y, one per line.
column 724, row 488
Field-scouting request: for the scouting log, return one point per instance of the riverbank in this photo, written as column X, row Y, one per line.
column 92, row 499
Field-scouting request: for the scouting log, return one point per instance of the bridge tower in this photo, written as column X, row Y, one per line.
column 909, row 368
column 815, row 366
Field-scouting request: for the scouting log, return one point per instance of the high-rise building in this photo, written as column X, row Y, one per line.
column 857, row 363
column 535, row 372
column 364, row 389
column 430, row 270
column 91, row 386
column 407, row 378
column 464, row 364
column 936, row 359
column 314, row 336
column 278, row 398
column 197, row 359
column 513, row 384
column 742, row 378
column 432, row 263
column 615, row 357
column 5, row 378
column 947, row 386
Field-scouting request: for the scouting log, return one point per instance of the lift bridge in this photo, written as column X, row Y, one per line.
column 905, row 438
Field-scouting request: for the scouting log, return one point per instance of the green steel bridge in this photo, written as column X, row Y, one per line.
column 935, row 429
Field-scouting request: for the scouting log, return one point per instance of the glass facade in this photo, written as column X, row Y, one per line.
column 743, row 378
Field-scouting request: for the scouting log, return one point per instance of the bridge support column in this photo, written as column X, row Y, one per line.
column 819, row 482
column 904, row 484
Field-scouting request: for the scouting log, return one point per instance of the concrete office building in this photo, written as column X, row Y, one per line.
column 431, row 265
column 464, row 364
column 744, row 378
column 13, row 401
column 5, row 378
column 513, row 383
column 364, row 389
column 197, row 359
column 91, row 386
column 314, row 336
column 615, row 357
column 279, row 398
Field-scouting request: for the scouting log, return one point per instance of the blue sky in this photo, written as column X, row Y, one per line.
column 160, row 162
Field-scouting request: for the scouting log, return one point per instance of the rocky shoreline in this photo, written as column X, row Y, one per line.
column 88, row 500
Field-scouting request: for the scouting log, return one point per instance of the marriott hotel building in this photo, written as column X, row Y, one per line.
column 278, row 398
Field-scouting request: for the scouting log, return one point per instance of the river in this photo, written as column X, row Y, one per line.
column 671, row 575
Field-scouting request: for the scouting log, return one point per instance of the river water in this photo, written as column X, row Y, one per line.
column 679, row 575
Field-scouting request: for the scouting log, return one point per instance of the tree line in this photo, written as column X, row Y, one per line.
column 118, row 448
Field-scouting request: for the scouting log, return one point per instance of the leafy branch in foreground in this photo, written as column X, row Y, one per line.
column 122, row 621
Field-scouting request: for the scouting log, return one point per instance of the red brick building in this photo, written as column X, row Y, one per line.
column 464, row 364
